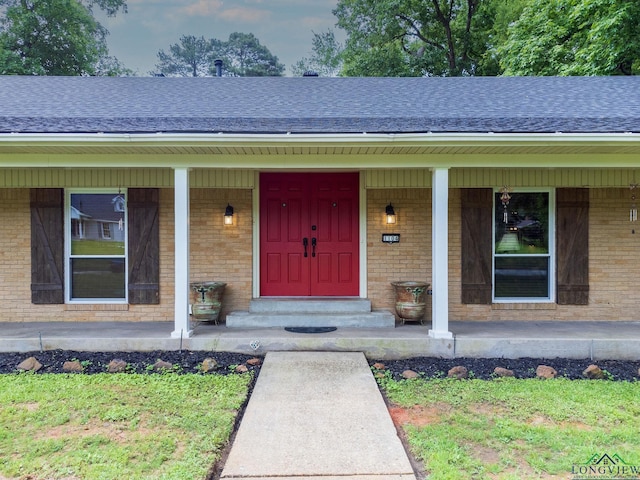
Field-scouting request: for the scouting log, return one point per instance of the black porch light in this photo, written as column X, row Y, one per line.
column 228, row 215
column 390, row 214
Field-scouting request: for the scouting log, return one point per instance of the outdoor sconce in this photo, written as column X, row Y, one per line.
column 390, row 215
column 228, row 215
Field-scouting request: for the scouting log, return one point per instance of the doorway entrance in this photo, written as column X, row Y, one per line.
column 309, row 234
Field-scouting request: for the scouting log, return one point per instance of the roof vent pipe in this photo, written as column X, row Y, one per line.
column 218, row 64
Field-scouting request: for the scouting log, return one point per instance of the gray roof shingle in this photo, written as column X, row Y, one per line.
column 319, row 105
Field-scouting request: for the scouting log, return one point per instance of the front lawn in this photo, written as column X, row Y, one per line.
column 517, row 429
column 116, row 426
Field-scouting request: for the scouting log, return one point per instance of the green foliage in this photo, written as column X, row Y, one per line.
column 508, row 428
column 242, row 56
column 192, row 57
column 413, row 37
column 114, row 426
column 574, row 37
column 55, row 37
column 325, row 59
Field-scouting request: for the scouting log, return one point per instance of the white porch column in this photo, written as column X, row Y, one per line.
column 182, row 326
column 440, row 253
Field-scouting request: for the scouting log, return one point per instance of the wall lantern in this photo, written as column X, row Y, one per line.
column 228, row 215
column 390, row 215
column 633, row 210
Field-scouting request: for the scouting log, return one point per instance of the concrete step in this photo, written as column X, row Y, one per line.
column 310, row 305
column 377, row 319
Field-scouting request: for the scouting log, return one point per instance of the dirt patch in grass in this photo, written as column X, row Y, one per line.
column 418, row 415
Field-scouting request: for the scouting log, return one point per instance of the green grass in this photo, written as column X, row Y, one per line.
column 115, row 426
column 96, row 247
column 514, row 429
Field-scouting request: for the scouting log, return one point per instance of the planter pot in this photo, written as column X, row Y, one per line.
column 206, row 300
column 410, row 300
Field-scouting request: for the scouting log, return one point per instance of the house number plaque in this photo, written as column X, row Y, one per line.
column 391, row 237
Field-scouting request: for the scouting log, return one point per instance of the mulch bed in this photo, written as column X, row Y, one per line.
column 428, row 367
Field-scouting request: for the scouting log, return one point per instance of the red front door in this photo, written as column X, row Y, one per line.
column 309, row 234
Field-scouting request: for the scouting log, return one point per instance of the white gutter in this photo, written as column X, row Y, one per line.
column 228, row 139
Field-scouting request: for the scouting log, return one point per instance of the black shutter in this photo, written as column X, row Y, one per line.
column 47, row 245
column 572, row 236
column 144, row 245
column 477, row 215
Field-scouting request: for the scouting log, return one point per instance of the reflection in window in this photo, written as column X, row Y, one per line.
column 97, row 260
column 522, row 259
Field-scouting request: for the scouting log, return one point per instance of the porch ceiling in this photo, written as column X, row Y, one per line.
column 453, row 149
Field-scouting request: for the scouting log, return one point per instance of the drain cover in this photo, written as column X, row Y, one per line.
column 310, row 329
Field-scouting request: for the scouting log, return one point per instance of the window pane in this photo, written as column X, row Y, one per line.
column 521, row 277
column 97, row 278
column 97, row 224
column 522, row 226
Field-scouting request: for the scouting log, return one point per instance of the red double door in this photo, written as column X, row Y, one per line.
column 309, row 234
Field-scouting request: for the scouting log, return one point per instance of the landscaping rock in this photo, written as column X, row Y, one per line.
column 593, row 372
column 117, row 366
column 209, row 364
column 31, row 364
column 409, row 374
column 503, row 372
column 254, row 361
column 546, row 372
column 73, row 366
column 458, row 372
column 378, row 366
column 242, row 369
column 162, row 366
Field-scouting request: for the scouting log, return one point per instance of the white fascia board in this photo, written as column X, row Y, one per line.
column 410, row 139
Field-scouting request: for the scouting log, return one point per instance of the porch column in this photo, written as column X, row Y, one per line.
column 440, row 253
column 182, row 326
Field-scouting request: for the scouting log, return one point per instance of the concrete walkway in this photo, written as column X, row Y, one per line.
column 320, row 415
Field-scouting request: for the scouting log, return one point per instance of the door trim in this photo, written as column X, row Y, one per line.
column 363, row 267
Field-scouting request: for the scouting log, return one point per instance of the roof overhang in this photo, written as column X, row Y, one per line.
column 346, row 150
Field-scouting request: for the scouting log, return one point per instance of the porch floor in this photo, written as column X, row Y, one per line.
column 578, row 339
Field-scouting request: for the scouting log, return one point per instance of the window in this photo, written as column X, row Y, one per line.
column 523, row 245
column 96, row 246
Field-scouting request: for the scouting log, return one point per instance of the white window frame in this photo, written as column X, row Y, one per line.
column 551, row 255
column 67, row 247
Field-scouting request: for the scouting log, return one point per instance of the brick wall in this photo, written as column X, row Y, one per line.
column 218, row 253
column 614, row 266
column 225, row 254
column 408, row 260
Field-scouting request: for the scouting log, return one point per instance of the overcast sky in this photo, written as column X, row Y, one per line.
column 284, row 26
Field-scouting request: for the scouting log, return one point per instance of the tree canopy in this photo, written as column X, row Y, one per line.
column 574, row 37
column 56, row 37
column 410, row 37
column 325, row 59
column 480, row 37
column 242, row 56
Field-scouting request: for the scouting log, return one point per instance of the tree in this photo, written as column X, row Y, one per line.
column 412, row 37
column 574, row 37
column 191, row 57
column 242, row 56
column 325, row 59
column 56, row 37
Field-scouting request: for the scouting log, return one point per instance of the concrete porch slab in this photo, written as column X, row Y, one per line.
column 594, row 340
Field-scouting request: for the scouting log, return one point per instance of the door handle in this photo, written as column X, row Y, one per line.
column 313, row 246
column 305, row 242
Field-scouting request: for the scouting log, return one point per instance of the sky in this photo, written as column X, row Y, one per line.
column 285, row 27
